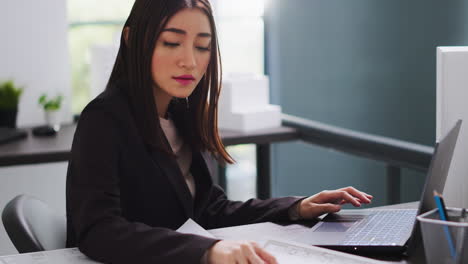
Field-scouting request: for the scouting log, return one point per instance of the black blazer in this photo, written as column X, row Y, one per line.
column 125, row 201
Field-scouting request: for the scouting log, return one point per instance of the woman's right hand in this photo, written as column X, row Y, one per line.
column 239, row 252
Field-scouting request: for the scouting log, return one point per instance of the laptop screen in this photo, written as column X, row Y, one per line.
column 438, row 169
column 436, row 177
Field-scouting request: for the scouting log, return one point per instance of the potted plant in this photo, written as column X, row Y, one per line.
column 9, row 99
column 51, row 109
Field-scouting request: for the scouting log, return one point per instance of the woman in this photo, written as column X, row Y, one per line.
column 137, row 171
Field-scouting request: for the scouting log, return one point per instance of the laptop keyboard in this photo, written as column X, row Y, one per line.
column 392, row 227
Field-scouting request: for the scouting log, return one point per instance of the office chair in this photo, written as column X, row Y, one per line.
column 33, row 226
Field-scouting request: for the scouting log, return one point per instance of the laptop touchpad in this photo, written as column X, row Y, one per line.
column 338, row 222
column 334, row 227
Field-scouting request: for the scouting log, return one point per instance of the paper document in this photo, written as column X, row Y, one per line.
column 191, row 227
column 279, row 241
column 293, row 253
column 60, row 256
column 260, row 232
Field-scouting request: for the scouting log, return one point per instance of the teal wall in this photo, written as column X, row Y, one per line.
column 367, row 65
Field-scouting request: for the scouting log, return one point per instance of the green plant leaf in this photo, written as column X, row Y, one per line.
column 52, row 103
column 9, row 95
column 42, row 99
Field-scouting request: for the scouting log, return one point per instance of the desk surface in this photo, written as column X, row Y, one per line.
column 73, row 255
column 32, row 149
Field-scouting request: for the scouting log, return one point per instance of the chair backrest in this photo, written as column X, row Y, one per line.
column 33, row 226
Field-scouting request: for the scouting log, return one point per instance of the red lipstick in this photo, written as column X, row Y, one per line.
column 184, row 79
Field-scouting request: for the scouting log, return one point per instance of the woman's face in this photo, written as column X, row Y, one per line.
column 182, row 54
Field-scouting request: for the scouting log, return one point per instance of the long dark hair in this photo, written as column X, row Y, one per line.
column 196, row 121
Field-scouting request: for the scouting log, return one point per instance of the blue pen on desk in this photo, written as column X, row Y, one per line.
column 444, row 217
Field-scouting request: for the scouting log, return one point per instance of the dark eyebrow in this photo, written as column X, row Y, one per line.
column 180, row 31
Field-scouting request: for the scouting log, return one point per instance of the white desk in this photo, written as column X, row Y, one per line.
column 59, row 256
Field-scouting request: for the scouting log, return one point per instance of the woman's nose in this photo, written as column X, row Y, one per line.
column 188, row 59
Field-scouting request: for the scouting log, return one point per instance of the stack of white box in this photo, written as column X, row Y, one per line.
column 244, row 104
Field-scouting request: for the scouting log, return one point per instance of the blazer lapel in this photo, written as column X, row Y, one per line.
column 203, row 181
column 172, row 171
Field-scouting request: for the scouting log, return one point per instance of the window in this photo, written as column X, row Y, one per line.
column 92, row 23
column 241, row 35
column 240, row 30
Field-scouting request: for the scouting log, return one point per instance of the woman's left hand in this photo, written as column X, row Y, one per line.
column 331, row 201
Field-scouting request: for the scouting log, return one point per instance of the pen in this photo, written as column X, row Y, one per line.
column 444, row 217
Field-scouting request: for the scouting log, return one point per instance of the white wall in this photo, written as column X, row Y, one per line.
column 34, row 53
column 452, row 96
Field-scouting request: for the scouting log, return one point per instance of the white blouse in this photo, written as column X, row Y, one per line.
column 181, row 150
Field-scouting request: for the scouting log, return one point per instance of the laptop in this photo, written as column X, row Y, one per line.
column 384, row 230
